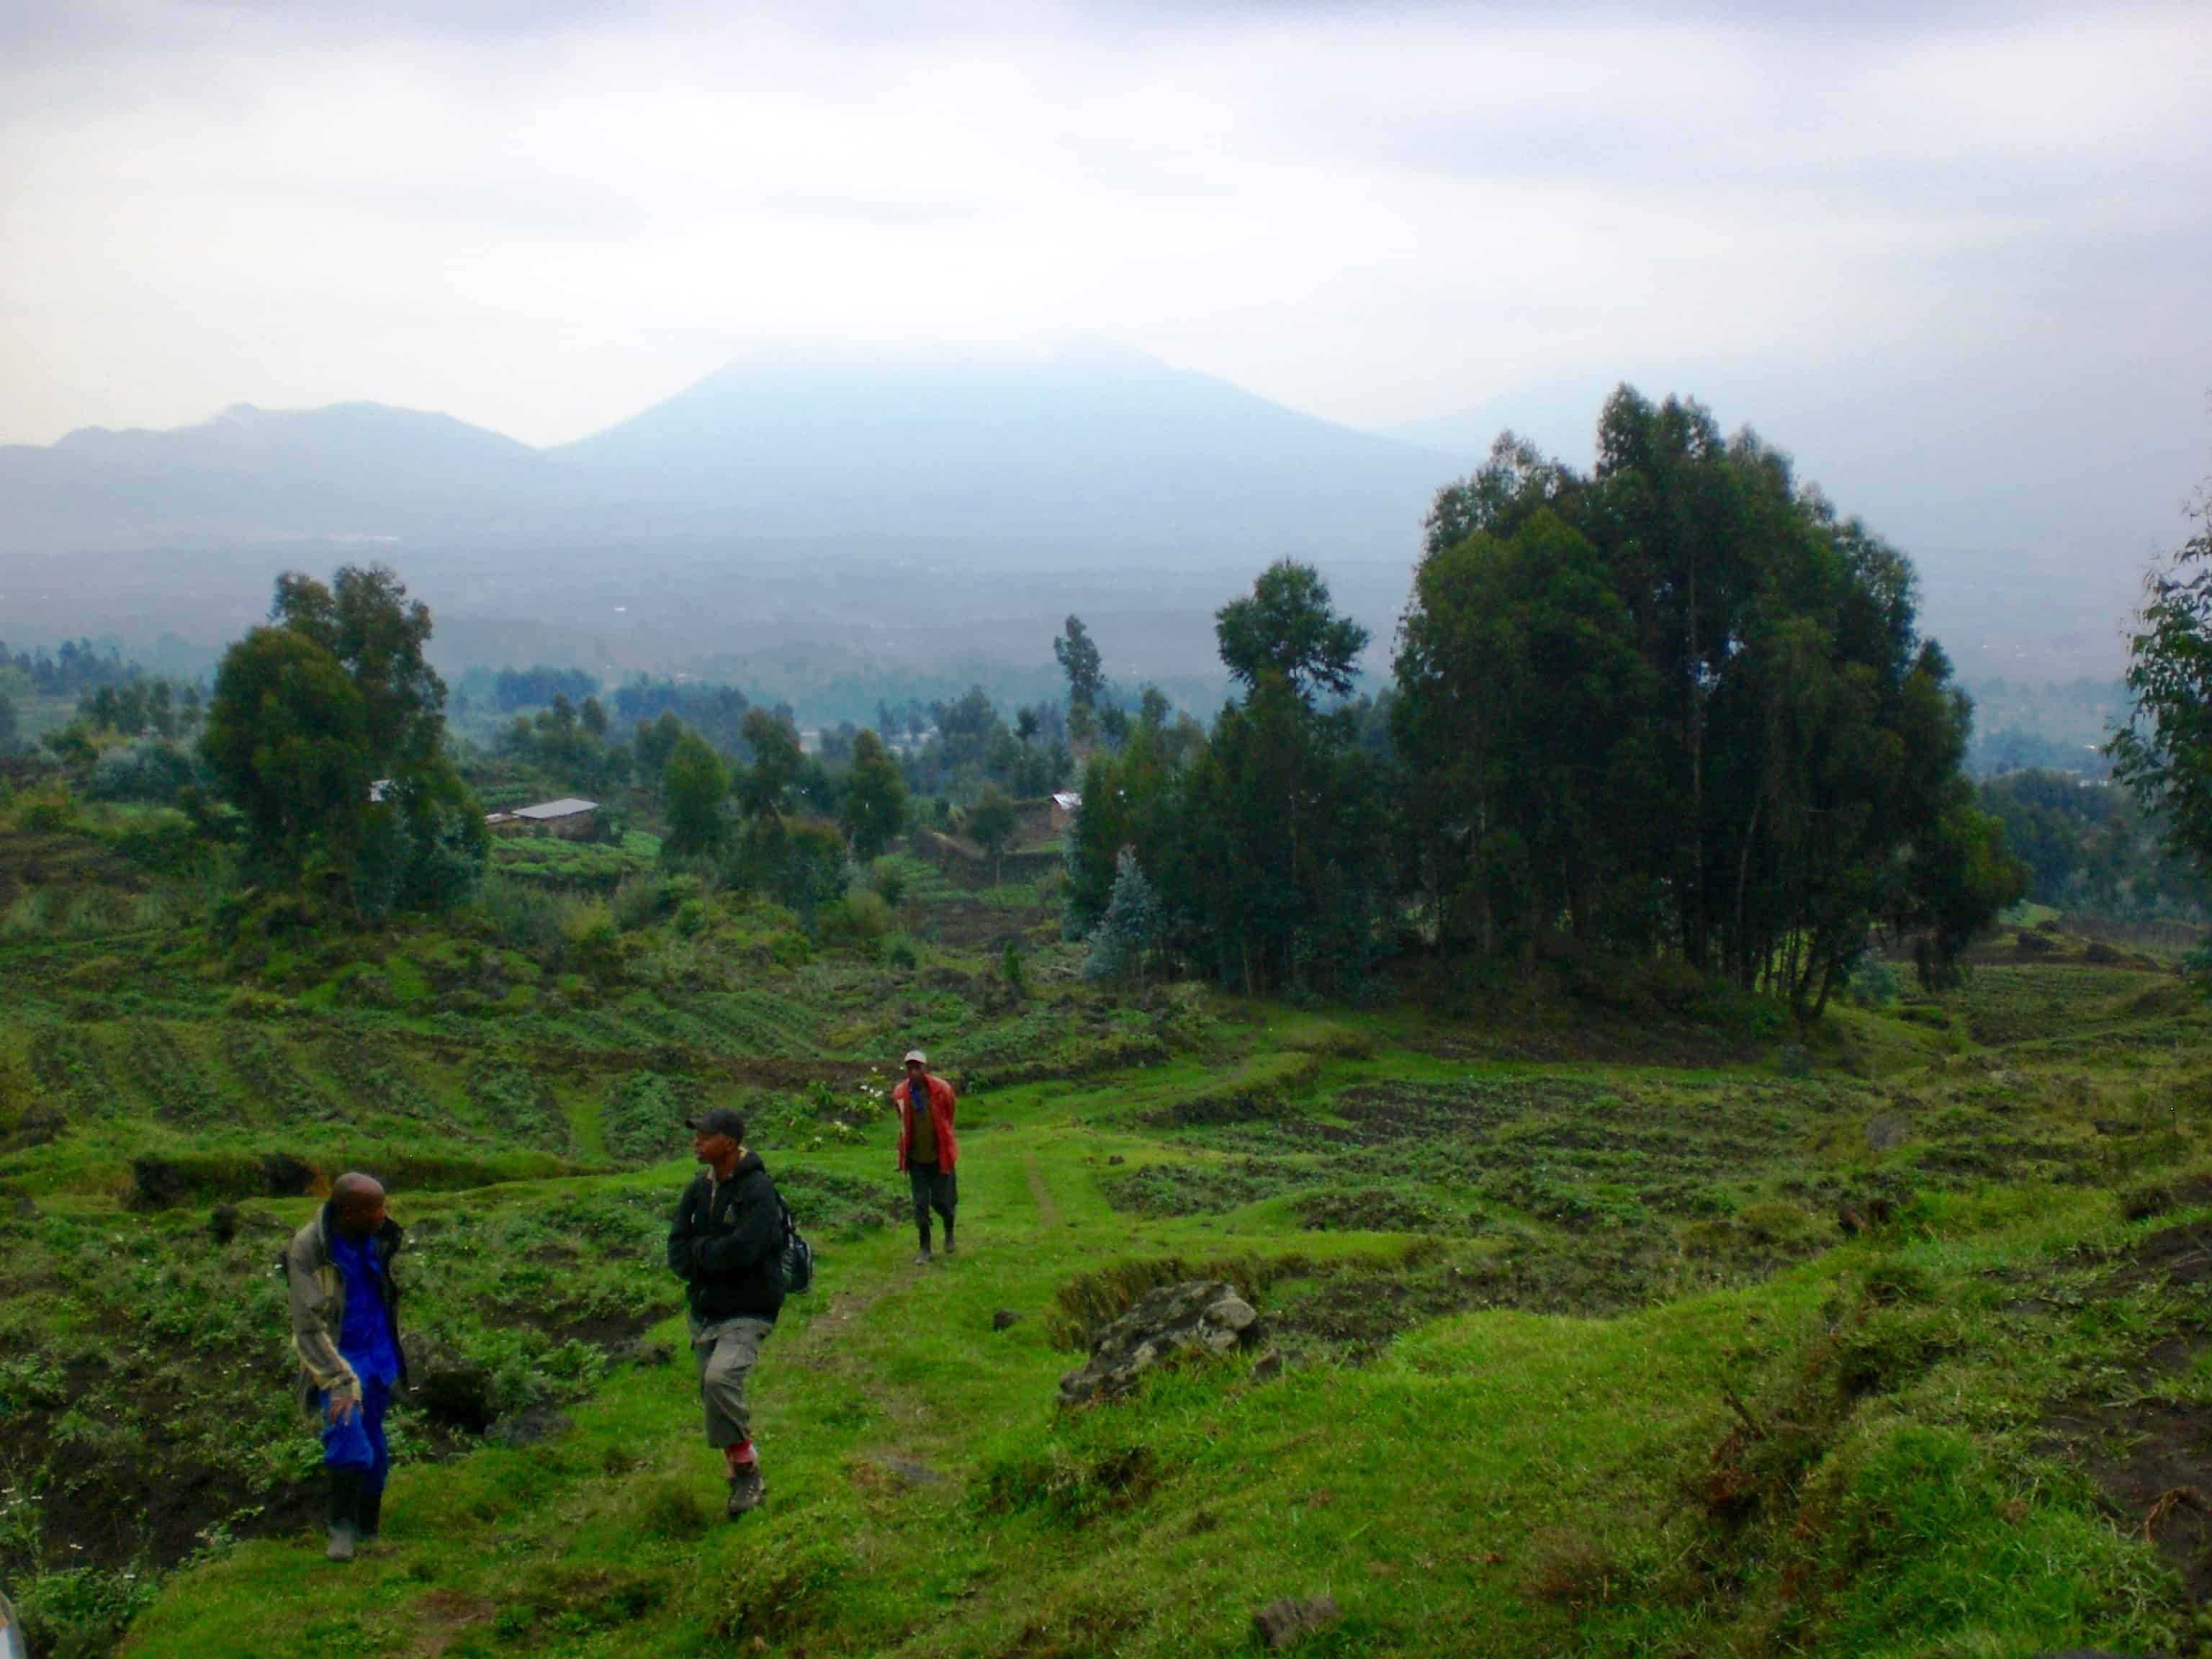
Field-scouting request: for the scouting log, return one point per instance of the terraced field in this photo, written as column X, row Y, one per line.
column 1877, row 1339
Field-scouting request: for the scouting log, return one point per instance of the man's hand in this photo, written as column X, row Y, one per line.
column 342, row 1408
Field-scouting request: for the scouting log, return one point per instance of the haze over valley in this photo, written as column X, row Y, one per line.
column 804, row 504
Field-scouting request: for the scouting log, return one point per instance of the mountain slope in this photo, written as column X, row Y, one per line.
column 353, row 469
column 1092, row 451
column 1089, row 452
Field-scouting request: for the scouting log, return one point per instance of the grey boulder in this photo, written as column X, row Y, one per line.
column 1196, row 1317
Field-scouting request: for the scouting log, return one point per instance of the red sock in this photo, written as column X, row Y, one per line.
column 744, row 1453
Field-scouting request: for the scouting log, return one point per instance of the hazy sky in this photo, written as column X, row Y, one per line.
column 540, row 216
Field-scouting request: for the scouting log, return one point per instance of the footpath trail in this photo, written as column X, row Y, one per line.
column 1501, row 1437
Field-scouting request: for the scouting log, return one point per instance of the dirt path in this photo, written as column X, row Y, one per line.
column 1048, row 1211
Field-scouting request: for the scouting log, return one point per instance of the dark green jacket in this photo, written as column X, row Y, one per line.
column 726, row 1244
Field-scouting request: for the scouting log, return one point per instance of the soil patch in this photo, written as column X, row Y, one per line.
column 112, row 1507
column 599, row 1329
column 2179, row 1257
column 2151, row 1459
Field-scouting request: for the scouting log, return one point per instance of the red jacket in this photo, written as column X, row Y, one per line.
column 941, row 1103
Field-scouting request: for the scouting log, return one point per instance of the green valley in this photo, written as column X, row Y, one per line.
column 1661, row 1326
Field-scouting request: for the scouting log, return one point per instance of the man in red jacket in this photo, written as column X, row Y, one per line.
column 926, row 1151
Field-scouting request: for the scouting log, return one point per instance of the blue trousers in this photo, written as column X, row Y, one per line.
column 358, row 1443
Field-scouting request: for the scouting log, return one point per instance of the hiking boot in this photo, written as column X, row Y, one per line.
column 746, row 1489
column 948, row 1240
column 344, row 1513
column 922, row 1259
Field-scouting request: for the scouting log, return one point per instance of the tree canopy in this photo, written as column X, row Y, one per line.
column 1674, row 706
column 326, row 730
column 1285, row 626
column 2164, row 753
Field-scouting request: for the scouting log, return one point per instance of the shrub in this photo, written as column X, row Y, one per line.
column 889, row 880
column 82, row 1611
column 148, row 770
column 31, row 915
column 589, row 936
column 523, row 917
column 48, row 812
column 1873, row 983
column 860, row 918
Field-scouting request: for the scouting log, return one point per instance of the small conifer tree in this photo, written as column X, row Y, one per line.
column 1128, row 933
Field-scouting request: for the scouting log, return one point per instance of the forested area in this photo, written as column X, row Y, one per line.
column 1677, row 708
column 1670, row 722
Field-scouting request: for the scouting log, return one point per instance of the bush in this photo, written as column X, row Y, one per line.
column 860, row 918
column 1873, row 983
column 148, row 770
column 49, row 811
column 82, row 1613
column 642, row 900
column 589, row 937
column 165, row 842
column 889, row 880
column 524, row 917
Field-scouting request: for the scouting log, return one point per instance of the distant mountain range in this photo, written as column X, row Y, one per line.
column 1092, row 453
column 883, row 509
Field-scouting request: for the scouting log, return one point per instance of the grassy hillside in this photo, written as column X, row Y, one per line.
column 1618, row 1332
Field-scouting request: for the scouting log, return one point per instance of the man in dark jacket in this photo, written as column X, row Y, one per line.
column 726, row 1245
column 345, row 1329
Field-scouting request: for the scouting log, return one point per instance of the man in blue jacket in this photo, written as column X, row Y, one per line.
column 345, row 1329
column 726, row 1244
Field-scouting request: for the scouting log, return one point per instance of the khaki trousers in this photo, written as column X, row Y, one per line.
column 727, row 1351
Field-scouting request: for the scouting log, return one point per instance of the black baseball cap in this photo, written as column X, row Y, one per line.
column 720, row 1121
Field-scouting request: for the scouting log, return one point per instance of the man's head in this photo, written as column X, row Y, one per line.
column 717, row 1136
column 357, row 1203
column 917, row 1063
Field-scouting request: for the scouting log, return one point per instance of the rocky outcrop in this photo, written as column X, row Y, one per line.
column 1197, row 1316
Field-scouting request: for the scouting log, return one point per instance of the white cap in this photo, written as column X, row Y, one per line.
column 913, row 1055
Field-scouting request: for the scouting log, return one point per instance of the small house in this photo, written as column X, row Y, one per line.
column 568, row 816
column 1065, row 805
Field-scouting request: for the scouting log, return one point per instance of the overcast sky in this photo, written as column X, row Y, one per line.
column 1950, row 224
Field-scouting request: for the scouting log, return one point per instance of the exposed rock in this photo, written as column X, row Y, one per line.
column 1004, row 1320
column 529, row 1428
column 1281, row 1623
column 1268, row 1366
column 1885, row 1132
column 639, row 1352
column 1200, row 1316
column 905, row 1472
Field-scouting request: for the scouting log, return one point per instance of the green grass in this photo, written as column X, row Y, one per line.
column 1576, row 1356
